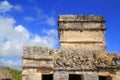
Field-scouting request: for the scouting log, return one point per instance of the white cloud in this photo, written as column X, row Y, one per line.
column 50, row 21
column 13, row 38
column 51, row 32
column 6, row 46
column 28, row 18
column 5, row 6
column 18, row 8
column 36, row 39
column 20, row 28
column 18, row 36
column 10, row 63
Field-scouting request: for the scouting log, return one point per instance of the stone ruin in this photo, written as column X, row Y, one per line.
column 81, row 56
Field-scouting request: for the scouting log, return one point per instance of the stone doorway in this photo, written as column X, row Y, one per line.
column 47, row 76
column 75, row 77
column 105, row 78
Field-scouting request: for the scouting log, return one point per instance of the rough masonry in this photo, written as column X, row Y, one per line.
column 82, row 53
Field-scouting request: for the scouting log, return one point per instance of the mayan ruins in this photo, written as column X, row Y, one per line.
column 82, row 53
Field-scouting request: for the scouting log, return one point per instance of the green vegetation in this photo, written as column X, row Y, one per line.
column 16, row 74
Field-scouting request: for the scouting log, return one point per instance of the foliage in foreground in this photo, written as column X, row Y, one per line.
column 16, row 74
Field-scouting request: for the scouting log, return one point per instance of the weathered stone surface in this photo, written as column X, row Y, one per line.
column 45, row 70
column 86, row 46
column 82, row 36
column 117, row 76
column 37, row 57
column 39, row 63
column 82, row 32
column 90, row 77
column 80, row 18
column 61, row 75
column 37, row 52
column 107, row 60
column 82, row 51
column 70, row 58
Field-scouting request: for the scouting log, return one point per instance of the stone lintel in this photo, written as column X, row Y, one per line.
column 35, row 49
column 49, row 58
column 36, row 66
column 73, row 69
column 81, row 42
column 81, row 29
column 82, row 18
column 109, row 67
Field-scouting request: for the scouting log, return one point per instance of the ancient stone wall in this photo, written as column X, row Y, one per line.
column 80, row 36
column 88, row 46
column 63, row 62
column 82, row 32
column 82, row 53
column 36, row 61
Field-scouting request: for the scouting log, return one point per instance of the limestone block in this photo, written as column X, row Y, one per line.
column 35, row 51
column 81, row 26
column 80, row 18
column 81, row 36
column 96, row 47
column 40, row 63
column 45, row 70
column 61, row 75
column 90, row 77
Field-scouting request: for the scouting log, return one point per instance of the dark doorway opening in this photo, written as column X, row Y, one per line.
column 105, row 78
column 47, row 77
column 75, row 77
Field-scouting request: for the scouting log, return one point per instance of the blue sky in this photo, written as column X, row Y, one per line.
column 34, row 22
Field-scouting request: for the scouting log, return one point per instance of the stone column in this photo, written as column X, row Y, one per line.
column 90, row 77
column 61, row 75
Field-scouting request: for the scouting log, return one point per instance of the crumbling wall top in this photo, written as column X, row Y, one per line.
column 36, row 52
column 81, row 18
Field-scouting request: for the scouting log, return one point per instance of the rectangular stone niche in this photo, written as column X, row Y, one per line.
column 75, row 77
column 105, row 78
column 47, row 76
